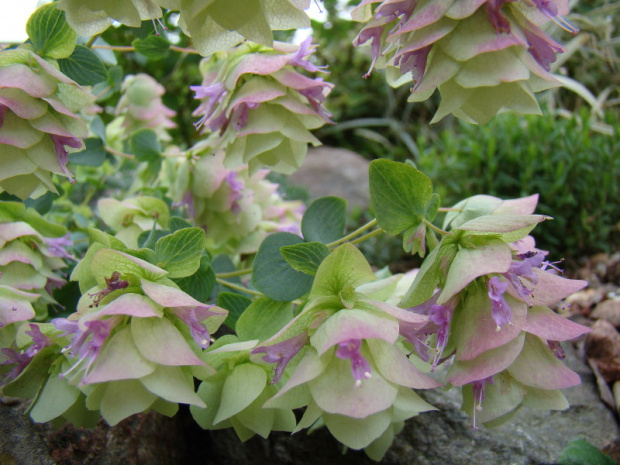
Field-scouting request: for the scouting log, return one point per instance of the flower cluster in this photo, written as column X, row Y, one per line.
column 38, row 121
column 492, row 310
column 237, row 209
column 131, row 217
column 343, row 357
column 134, row 332
column 210, row 23
column 258, row 108
column 140, row 107
column 481, row 55
column 32, row 251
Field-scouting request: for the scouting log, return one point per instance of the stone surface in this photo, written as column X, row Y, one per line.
column 333, row 171
column 608, row 310
column 603, row 349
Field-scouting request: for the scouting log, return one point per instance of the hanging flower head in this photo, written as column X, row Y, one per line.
column 482, row 55
column 259, row 108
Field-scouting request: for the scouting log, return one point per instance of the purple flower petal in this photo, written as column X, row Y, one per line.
column 282, row 352
column 359, row 365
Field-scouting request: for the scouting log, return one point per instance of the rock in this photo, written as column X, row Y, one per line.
column 608, row 310
column 603, row 348
column 333, row 171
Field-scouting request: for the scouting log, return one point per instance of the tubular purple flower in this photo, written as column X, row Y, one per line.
column 39, row 340
column 414, row 62
column 61, row 151
column 524, row 268
column 374, row 34
column 81, row 346
column 557, row 349
column 495, row 15
column 282, row 353
column 193, row 317
column 214, row 93
column 20, row 360
column 57, row 246
column 479, row 388
column 306, row 48
column 502, row 313
column 542, row 47
column 236, row 187
column 360, row 368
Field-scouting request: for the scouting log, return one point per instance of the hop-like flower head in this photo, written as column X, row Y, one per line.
column 482, row 55
column 260, row 108
column 38, row 121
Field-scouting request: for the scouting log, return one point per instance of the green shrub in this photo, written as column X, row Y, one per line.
column 575, row 171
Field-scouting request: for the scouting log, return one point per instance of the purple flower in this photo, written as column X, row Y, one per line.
column 57, row 246
column 214, row 93
column 524, row 268
column 479, row 388
column 374, row 34
column 495, row 15
column 39, row 340
column 359, row 365
column 20, row 360
column 298, row 58
column 502, row 313
column 282, row 353
column 193, row 317
column 87, row 343
column 61, row 152
column 236, row 187
column 414, row 61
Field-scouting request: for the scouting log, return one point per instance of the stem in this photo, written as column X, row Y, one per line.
column 233, row 274
column 358, row 231
column 446, row 210
column 131, row 48
column 116, row 152
column 436, row 229
column 237, row 287
column 367, row 236
column 91, row 41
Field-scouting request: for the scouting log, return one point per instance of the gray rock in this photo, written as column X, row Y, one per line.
column 333, row 171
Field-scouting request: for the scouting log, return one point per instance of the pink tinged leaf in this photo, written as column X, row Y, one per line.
column 522, row 206
column 394, row 366
column 353, row 324
column 20, row 103
column 160, row 342
column 413, row 320
column 22, row 77
column 168, row 296
column 256, row 63
column 487, row 364
column 546, row 324
column 469, row 264
column 310, row 366
column 538, row 367
column 119, row 359
column 551, row 288
column 475, row 329
column 282, row 352
column 425, row 14
column 131, row 305
column 336, row 391
column 13, row 310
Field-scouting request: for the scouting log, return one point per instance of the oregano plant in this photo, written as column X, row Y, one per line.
column 124, row 249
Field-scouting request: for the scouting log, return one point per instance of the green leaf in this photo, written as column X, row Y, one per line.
column 263, row 318
column 49, row 32
column 83, row 66
column 177, row 223
column 152, row 47
column 273, row 276
column 144, row 145
column 324, row 220
column 200, row 284
column 235, row 304
column 305, row 257
column 342, row 271
column 581, row 452
column 92, row 155
column 400, row 195
column 55, row 398
column 180, row 252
